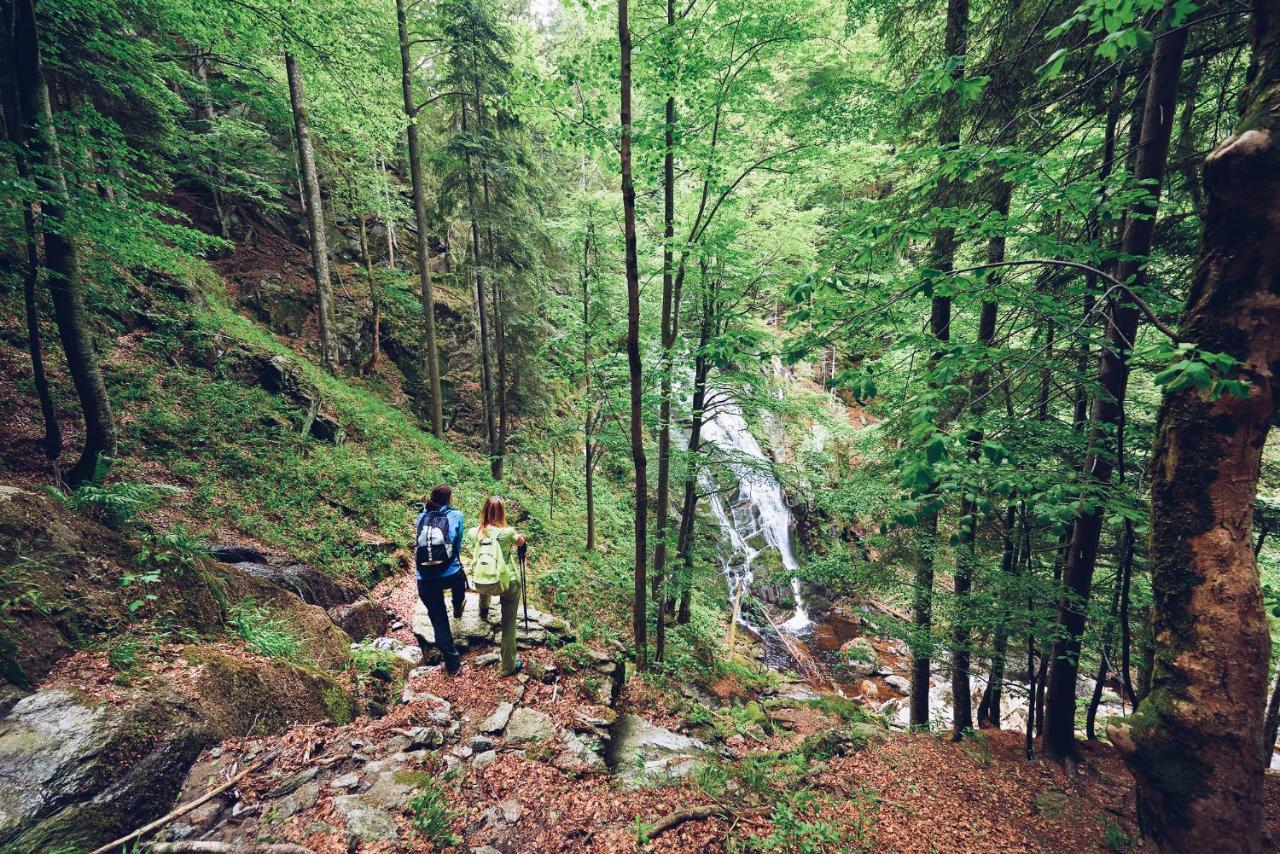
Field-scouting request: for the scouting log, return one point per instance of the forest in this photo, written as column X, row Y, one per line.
column 860, row 409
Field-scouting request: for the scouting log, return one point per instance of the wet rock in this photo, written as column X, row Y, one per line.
column 859, row 656
column 497, row 721
column 639, row 748
column 411, row 654
column 365, row 820
column 304, row 776
column 361, row 619
column 529, row 725
column 77, row 773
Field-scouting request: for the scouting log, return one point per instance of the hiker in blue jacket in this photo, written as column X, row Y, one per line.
column 439, row 568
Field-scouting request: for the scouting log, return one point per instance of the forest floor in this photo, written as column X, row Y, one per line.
column 894, row 792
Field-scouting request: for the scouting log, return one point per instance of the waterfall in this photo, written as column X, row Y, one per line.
column 760, row 511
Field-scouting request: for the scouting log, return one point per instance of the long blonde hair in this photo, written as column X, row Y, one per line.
column 493, row 514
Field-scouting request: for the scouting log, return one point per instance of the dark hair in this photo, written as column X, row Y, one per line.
column 441, row 495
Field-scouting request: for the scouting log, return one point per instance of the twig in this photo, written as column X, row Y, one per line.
column 184, row 809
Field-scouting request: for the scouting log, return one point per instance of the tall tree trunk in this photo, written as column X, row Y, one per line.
column 1195, row 744
column 966, row 556
column 15, row 125
column 639, row 616
column 61, row 252
column 588, row 419
column 689, row 505
column 486, row 362
column 1113, row 378
column 989, row 713
column 697, row 414
column 941, row 257
column 375, row 301
column 426, row 292
column 315, row 212
column 670, row 319
column 200, row 67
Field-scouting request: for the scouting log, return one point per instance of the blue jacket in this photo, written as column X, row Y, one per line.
column 454, row 516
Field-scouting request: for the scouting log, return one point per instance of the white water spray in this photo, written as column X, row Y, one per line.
column 760, row 509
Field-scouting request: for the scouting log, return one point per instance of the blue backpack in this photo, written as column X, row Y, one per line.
column 434, row 546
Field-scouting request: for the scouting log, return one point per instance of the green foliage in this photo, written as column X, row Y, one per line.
column 264, row 633
column 431, row 816
column 116, row 503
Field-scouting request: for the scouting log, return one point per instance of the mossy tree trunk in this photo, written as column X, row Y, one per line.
column 62, row 259
column 1195, row 744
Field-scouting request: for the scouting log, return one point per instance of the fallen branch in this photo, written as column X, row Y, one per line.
column 184, row 809
column 679, row 817
column 207, row 846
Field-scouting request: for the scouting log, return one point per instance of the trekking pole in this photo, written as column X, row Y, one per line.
column 524, row 590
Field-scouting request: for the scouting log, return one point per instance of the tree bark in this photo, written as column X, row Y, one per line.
column 486, row 362
column 1195, row 744
column 375, row 302
column 425, row 290
column 588, row 419
column 639, row 616
column 315, row 212
column 966, row 556
column 941, row 257
column 697, row 414
column 670, row 319
column 1113, row 378
column 15, row 125
column 61, row 252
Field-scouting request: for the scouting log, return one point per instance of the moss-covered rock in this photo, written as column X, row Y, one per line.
column 242, row 696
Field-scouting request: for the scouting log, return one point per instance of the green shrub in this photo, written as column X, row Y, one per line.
column 264, row 634
column 432, row 816
column 115, row 503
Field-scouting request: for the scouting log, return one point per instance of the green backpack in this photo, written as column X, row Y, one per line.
column 489, row 570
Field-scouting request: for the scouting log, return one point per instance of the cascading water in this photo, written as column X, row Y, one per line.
column 760, row 510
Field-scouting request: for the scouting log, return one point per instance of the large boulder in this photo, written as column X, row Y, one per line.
column 639, row 750
column 859, row 656
column 78, row 772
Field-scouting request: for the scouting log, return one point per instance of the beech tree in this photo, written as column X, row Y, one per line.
column 1194, row 745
